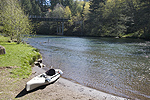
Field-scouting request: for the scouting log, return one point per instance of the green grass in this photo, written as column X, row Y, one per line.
column 1, row 28
column 20, row 56
column 128, row 35
column 3, row 39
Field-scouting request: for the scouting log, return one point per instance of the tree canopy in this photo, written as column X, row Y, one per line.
column 119, row 18
column 113, row 18
column 15, row 23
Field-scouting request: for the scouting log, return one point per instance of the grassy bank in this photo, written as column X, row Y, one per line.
column 20, row 57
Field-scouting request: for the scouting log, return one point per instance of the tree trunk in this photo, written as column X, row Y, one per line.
column 2, row 50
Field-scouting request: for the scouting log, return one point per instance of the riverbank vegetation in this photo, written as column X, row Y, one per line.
column 119, row 18
column 111, row 18
column 20, row 57
column 14, row 25
column 13, row 21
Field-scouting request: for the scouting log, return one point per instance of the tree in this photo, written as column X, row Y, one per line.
column 68, row 3
column 26, row 6
column 86, row 10
column 36, row 10
column 76, row 8
column 111, row 17
column 43, row 4
column 94, row 5
column 116, row 16
column 54, row 2
column 142, row 19
column 58, row 11
column 67, row 12
column 95, row 21
column 15, row 22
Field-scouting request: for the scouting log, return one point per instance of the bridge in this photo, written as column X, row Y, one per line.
column 50, row 19
column 60, row 22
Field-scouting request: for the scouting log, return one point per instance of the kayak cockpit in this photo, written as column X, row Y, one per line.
column 50, row 72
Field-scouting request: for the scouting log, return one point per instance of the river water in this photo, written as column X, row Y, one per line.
column 117, row 66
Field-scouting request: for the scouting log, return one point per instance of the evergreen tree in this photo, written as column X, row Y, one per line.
column 142, row 19
column 94, row 5
column 68, row 3
column 96, row 17
column 58, row 11
column 86, row 11
column 43, row 4
column 54, row 2
column 77, row 7
column 27, row 6
column 36, row 10
column 74, row 8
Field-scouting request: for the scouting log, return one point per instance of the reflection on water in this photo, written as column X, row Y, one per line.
column 116, row 66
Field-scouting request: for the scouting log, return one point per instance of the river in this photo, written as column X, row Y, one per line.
column 117, row 66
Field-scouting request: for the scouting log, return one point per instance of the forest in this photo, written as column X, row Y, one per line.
column 103, row 18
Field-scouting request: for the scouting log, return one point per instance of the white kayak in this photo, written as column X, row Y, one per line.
column 43, row 79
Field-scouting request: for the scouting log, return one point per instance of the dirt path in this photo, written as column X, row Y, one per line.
column 62, row 89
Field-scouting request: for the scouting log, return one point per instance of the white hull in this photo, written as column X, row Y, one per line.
column 42, row 79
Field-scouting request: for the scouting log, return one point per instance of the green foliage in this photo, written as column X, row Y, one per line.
column 54, row 2
column 46, row 28
column 15, row 22
column 95, row 22
column 34, row 7
column 20, row 56
column 116, row 18
column 119, row 18
column 1, row 28
column 86, row 11
column 76, row 8
column 4, row 39
column 36, row 10
column 67, row 13
column 43, row 4
column 68, row 3
column 27, row 6
column 58, row 11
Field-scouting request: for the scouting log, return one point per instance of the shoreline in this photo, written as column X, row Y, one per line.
column 77, row 91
